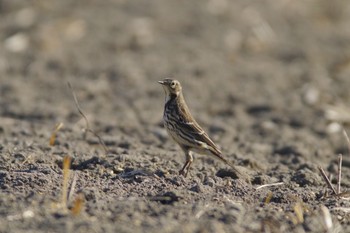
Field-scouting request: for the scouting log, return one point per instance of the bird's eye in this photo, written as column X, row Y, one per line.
column 172, row 84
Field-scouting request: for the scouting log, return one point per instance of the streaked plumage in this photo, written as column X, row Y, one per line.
column 183, row 128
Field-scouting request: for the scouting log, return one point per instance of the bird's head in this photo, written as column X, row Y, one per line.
column 171, row 86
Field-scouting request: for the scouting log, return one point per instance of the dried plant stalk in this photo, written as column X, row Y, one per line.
column 328, row 182
column 347, row 139
column 54, row 133
column 268, row 198
column 269, row 185
column 66, row 167
column 78, row 204
column 340, row 159
column 78, row 106
column 298, row 210
column 72, row 187
column 87, row 129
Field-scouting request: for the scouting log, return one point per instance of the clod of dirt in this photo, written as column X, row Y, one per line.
column 306, row 177
column 227, row 173
column 209, row 181
column 167, row 198
column 197, row 188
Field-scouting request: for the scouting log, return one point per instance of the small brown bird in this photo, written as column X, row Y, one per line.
column 184, row 129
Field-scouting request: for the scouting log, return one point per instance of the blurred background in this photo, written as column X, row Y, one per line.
column 242, row 63
column 268, row 80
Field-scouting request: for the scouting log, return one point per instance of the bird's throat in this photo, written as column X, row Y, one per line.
column 170, row 97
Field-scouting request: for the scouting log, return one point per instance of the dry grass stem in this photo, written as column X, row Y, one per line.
column 298, row 210
column 269, row 185
column 66, row 166
column 78, row 204
column 87, row 129
column 328, row 182
column 54, row 133
column 78, row 106
column 72, row 186
column 344, row 195
column 340, row 159
column 347, row 139
column 99, row 140
column 268, row 198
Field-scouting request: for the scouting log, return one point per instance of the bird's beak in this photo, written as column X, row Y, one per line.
column 161, row 82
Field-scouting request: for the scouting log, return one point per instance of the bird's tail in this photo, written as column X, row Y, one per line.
column 218, row 154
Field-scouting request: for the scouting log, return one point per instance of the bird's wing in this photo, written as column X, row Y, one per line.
column 191, row 128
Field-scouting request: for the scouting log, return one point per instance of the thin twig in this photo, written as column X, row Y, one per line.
column 87, row 129
column 102, row 143
column 269, row 185
column 72, row 186
column 326, row 179
column 344, row 195
column 340, row 159
column 347, row 139
column 77, row 106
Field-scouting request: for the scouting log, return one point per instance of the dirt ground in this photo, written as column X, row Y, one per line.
column 268, row 80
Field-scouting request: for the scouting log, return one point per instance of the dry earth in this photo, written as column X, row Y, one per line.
column 269, row 80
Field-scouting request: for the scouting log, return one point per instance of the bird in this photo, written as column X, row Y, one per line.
column 183, row 128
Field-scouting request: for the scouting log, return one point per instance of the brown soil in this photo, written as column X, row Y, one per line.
column 268, row 80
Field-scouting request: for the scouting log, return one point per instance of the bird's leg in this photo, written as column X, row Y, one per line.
column 189, row 160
